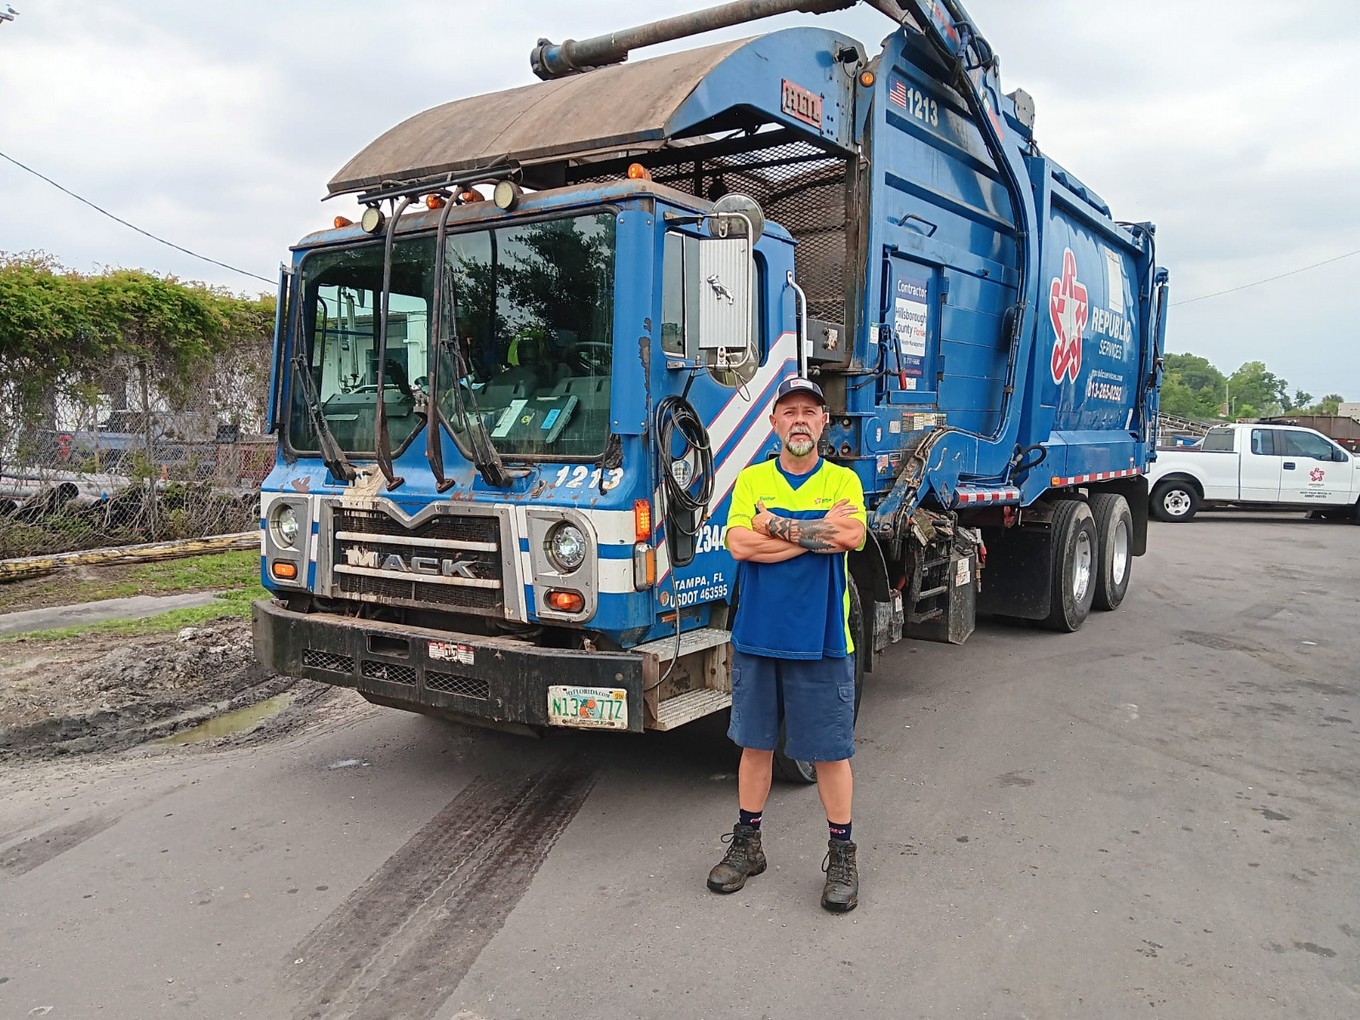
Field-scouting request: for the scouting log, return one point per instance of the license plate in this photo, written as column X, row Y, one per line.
column 588, row 707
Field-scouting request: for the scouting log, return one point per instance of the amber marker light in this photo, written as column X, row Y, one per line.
column 342, row 221
column 284, row 571
column 566, row 601
column 642, row 520
column 435, row 202
column 867, row 79
column 644, row 566
column 471, row 196
column 638, row 172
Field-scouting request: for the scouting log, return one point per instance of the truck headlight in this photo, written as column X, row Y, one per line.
column 286, row 526
column 566, row 547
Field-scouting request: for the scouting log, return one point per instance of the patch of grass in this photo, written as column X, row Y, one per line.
column 238, row 569
column 75, row 585
column 227, row 605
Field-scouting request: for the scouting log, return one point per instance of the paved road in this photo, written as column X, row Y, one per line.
column 1155, row 817
column 131, row 608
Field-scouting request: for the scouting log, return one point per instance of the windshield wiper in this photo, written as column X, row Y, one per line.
column 382, row 440
column 331, row 454
column 484, row 455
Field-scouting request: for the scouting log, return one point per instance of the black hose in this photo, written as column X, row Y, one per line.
column 675, row 417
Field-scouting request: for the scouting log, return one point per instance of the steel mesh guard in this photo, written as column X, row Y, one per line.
column 315, row 658
column 799, row 186
column 452, row 683
column 391, row 672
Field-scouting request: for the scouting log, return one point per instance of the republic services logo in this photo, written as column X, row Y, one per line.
column 1317, row 474
column 1068, row 310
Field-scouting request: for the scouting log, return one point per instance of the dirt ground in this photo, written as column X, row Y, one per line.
column 108, row 691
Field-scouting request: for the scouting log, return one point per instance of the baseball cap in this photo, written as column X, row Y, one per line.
column 797, row 384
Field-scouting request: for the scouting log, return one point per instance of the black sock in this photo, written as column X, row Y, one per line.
column 751, row 818
column 840, row 833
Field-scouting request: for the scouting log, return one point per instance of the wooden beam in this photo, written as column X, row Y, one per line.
column 35, row 566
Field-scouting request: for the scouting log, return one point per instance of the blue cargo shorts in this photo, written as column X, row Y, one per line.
column 813, row 698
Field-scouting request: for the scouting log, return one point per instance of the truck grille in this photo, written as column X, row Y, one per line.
column 452, row 561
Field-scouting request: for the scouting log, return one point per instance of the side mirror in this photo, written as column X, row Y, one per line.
column 720, row 288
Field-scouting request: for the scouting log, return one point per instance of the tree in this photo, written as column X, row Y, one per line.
column 1254, row 391
column 1179, row 400
column 66, row 333
column 1191, row 387
column 1330, row 404
column 1300, row 401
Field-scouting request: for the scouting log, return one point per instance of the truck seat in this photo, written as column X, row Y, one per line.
column 517, row 383
column 589, row 425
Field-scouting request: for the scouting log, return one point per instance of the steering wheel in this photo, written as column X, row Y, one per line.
column 594, row 355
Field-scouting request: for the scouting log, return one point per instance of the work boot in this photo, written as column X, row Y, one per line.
column 743, row 859
column 841, row 892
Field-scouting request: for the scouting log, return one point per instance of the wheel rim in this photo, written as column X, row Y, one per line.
column 1119, row 562
column 1176, row 502
column 1082, row 557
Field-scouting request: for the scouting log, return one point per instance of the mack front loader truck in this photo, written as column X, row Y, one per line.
column 512, row 398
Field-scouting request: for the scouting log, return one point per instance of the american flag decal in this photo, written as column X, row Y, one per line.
column 898, row 94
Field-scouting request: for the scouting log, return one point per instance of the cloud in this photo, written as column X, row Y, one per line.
column 218, row 125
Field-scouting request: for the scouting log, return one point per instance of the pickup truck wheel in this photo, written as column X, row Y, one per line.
column 1174, row 500
column 1114, row 540
column 1075, row 562
column 792, row 770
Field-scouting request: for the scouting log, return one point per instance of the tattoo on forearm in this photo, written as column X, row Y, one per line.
column 815, row 536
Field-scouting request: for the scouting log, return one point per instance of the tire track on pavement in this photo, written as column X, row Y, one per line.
column 23, row 857
column 401, row 943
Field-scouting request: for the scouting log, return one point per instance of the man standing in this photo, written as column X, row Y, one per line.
column 791, row 523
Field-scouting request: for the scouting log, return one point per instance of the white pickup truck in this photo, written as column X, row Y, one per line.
column 1256, row 465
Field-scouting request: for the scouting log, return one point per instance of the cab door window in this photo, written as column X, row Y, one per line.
column 1305, row 444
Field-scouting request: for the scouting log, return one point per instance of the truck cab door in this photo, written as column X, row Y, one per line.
column 1261, row 468
column 1313, row 470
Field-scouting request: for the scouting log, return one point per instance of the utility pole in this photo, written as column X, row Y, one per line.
column 7, row 13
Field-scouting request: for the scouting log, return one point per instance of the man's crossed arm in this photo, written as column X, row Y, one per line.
column 773, row 539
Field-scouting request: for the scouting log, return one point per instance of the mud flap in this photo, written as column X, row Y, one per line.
column 1019, row 573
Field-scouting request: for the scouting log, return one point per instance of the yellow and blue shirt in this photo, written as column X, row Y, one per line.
column 798, row 609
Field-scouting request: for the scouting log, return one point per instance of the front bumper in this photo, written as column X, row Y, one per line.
column 500, row 680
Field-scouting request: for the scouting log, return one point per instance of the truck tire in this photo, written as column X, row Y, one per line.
column 1075, row 562
column 1174, row 500
column 790, row 769
column 1114, row 541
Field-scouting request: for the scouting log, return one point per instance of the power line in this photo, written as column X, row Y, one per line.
column 133, row 226
column 1270, row 279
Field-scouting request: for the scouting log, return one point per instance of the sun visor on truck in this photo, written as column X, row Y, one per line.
column 789, row 77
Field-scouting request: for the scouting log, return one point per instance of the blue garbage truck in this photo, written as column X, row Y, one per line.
column 512, row 398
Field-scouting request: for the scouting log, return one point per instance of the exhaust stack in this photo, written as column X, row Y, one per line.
column 550, row 60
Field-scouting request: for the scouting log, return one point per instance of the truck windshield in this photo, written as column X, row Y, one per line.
column 342, row 305
column 535, row 315
column 534, row 309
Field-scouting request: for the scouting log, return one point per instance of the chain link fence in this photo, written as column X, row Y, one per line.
column 136, row 455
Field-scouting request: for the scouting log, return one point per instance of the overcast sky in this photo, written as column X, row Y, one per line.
column 1229, row 123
